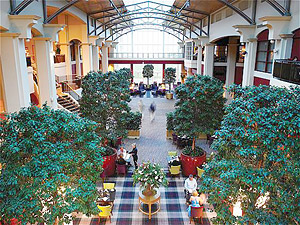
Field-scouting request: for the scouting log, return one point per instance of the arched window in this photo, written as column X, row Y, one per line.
column 264, row 55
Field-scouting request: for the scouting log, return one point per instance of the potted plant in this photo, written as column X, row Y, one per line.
column 257, row 155
column 198, row 110
column 51, row 159
column 105, row 100
column 170, row 77
column 134, row 121
column 170, row 125
column 149, row 176
column 148, row 73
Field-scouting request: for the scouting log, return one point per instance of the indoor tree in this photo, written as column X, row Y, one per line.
column 170, row 76
column 148, row 72
column 258, row 159
column 51, row 161
column 127, row 73
column 105, row 100
column 199, row 108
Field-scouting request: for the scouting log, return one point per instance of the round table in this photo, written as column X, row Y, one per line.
column 149, row 200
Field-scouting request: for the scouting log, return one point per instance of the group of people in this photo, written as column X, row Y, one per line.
column 192, row 196
column 124, row 157
column 152, row 109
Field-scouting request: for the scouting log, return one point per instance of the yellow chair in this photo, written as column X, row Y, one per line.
column 109, row 185
column 199, row 172
column 174, row 170
column 172, row 153
column 105, row 212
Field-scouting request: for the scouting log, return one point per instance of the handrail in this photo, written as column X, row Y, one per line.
column 132, row 55
column 70, row 89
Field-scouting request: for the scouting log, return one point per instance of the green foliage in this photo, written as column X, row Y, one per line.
column 193, row 153
column 51, row 160
column 150, row 174
column 127, row 73
column 200, row 106
column 134, row 121
column 170, row 121
column 258, row 155
column 148, row 72
column 170, row 76
column 105, row 100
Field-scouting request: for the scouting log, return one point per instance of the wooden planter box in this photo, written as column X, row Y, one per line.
column 134, row 134
column 169, row 134
column 202, row 137
column 169, row 95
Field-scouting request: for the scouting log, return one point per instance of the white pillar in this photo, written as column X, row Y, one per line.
column 14, row 71
column 95, row 58
column 209, row 60
column 230, row 69
column 199, row 60
column 45, row 70
column 104, row 59
column 189, row 72
column 286, row 46
column 87, row 58
column 249, row 62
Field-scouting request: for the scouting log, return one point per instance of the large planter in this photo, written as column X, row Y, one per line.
column 169, row 95
column 169, row 134
column 189, row 164
column 134, row 134
column 109, row 164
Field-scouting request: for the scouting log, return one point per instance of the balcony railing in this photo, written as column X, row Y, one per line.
column 124, row 55
column 287, row 70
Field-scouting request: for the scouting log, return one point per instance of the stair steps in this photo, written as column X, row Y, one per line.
column 68, row 103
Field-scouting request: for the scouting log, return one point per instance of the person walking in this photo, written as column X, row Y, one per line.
column 134, row 155
column 152, row 109
column 141, row 107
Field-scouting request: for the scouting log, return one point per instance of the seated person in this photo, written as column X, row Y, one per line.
column 195, row 200
column 174, row 162
column 190, row 185
column 120, row 160
column 125, row 156
column 122, row 152
column 142, row 88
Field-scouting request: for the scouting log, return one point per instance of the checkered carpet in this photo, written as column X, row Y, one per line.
column 173, row 208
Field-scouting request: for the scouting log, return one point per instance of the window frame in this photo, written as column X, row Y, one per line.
column 263, row 38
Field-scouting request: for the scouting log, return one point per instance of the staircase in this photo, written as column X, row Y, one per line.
column 68, row 103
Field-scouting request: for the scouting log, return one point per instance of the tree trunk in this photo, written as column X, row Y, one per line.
column 147, row 82
column 193, row 145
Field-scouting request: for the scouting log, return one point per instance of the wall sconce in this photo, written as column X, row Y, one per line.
column 275, row 51
column 272, row 41
column 244, row 53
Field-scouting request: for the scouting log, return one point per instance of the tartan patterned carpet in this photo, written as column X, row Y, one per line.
column 173, row 208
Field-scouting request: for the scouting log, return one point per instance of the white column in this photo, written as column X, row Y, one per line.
column 249, row 62
column 14, row 70
column 286, row 46
column 189, row 72
column 104, row 59
column 199, row 60
column 95, row 58
column 230, row 69
column 209, row 60
column 87, row 58
column 45, row 70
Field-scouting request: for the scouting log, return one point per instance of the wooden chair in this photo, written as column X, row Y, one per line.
column 121, row 169
column 105, row 212
column 109, row 185
column 197, row 212
column 174, row 170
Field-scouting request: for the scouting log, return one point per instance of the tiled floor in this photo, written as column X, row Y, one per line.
column 152, row 146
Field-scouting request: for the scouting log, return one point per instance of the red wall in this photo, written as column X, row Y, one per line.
column 261, row 81
column 238, row 78
column 296, row 45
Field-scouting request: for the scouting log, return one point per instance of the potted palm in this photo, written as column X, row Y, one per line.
column 170, row 125
column 148, row 73
column 170, row 77
column 134, row 121
column 105, row 100
column 199, row 110
column 150, row 177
